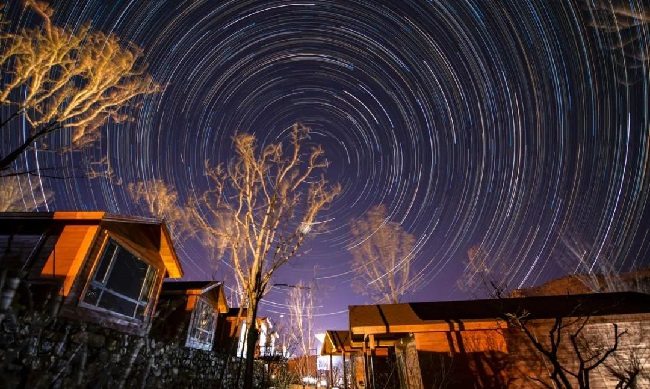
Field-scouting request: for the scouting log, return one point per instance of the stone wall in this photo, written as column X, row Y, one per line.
column 37, row 351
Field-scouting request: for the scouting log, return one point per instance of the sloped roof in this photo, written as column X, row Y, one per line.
column 33, row 223
column 336, row 342
column 211, row 290
column 203, row 286
column 484, row 314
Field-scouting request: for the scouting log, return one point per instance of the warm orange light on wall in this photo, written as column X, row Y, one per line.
column 168, row 257
column 78, row 215
column 69, row 253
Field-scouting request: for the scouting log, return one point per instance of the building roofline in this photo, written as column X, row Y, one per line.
column 488, row 314
column 80, row 215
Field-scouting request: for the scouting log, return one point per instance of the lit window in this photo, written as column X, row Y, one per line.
column 202, row 326
column 122, row 283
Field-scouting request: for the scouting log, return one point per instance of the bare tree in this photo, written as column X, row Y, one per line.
column 261, row 207
column 302, row 336
column 160, row 199
column 22, row 193
column 571, row 351
column 482, row 274
column 626, row 24
column 630, row 370
column 57, row 78
column 600, row 274
column 382, row 259
column 157, row 196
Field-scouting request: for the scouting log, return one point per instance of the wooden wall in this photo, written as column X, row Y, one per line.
column 507, row 357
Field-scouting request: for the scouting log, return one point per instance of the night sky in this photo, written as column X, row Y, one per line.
column 514, row 126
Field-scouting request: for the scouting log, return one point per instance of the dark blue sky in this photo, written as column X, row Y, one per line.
column 513, row 126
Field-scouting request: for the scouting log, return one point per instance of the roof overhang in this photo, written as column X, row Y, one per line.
column 336, row 342
column 168, row 253
column 166, row 250
column 396, row 320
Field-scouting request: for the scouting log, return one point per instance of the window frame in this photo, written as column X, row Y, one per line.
column 192, row 341
column 91, row 282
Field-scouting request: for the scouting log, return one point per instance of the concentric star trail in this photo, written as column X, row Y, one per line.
column 519, row 127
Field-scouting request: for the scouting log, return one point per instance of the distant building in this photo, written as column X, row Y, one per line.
column 231, row 335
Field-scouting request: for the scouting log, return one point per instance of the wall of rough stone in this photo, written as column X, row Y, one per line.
column 37, row 351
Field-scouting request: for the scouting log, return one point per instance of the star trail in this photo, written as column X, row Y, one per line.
column 516, row 127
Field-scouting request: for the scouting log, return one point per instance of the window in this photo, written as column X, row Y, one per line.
column 202, row 326
column 122, row 283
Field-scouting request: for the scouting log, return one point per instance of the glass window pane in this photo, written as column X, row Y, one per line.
column 117, row 304
column 202, row 326
column 148, row 284
column 127, row 275
column 122, row 282
column 92, row 295
column 140, row 311
column 105, row 261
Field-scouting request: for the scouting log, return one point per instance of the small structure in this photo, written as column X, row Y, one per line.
column 475, row 343
column 231, row 334
column 338, row 343
column 188, row 312
column 228, row 331
column 91, row 266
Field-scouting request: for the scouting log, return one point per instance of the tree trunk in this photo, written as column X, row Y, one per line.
column 232, row 350
column 251, row 341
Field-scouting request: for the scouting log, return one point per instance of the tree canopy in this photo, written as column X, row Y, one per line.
column 59, row 78
column 382, row 259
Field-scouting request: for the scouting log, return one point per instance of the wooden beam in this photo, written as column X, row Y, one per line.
column 434, row 326
column 78, row 215
column 345, row 374
column 168, row 255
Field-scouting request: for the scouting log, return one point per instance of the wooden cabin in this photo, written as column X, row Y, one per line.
column 231, row 331
column 103, row 268
column 188, row 312
column 460, row 344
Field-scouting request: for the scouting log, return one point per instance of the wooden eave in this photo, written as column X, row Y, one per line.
column 432, row 326
column 96, row 216
column 468, row 315
column 336, row 342
column 149, row 238
column 222, row 302
column 166, row 250
column 400, row 319
column 168, row 253
column 214, row 293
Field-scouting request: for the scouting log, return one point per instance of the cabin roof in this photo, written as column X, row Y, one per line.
column 336, row 342
column 203, row 286
column 438, row 316
column 80, row 216
column 36, row 223
column 212, row 290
